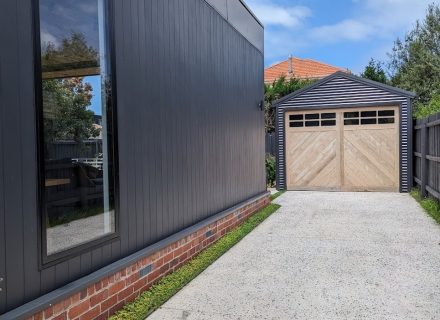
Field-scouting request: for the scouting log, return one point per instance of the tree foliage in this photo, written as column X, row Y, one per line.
column 66, row 100
column 415, row 60
column 72, row 53
column 375, row 71
column 66, row 114
column 270, row 170
column 425, row 110
column 278, row 89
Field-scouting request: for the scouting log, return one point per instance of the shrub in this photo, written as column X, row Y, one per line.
column 276, row 90
column 425, row 110
column 270, row 170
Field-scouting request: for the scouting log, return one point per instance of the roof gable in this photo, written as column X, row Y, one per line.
column 349, row 78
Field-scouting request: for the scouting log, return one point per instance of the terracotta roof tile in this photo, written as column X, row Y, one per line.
column 302, row 69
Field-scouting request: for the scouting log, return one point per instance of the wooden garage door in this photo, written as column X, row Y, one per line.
column 343, row 149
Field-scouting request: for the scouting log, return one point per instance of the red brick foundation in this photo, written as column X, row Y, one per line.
column 105, row 297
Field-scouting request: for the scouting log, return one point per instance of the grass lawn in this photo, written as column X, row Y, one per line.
column 431, row 206
column 169, row 285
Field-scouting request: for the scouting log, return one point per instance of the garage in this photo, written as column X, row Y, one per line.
column 345, row 133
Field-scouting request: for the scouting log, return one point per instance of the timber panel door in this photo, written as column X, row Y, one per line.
column 371, row 149
column 343, row 149
column 312, row 157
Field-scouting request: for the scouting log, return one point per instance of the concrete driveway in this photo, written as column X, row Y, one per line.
column 324, row 256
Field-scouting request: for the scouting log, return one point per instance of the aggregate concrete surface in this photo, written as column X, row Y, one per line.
column 324, row 256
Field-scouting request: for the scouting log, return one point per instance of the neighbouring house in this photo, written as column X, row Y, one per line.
column 300, row 69
column 131, row 138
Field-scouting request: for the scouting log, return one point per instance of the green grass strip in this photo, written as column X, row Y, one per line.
column 169, row 285
column 431, row 206
column 276, row 195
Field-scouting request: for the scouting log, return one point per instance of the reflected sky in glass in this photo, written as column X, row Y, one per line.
column 96, row 106
column 64, row 17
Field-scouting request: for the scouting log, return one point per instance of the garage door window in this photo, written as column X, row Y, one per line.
column 369, row 117
column 312, row 120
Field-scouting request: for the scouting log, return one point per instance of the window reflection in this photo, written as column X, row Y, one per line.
column 78, row 144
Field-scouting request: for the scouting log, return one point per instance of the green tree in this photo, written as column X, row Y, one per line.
column 424, row 110
column 415, row 60
column 73, row 53
column 66, row 98
column 66, row 114
column 375, row 71
column 278, row 89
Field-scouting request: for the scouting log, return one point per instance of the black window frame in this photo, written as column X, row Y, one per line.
column 45, row 260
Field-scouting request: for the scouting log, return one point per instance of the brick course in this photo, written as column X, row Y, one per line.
column 102, row 299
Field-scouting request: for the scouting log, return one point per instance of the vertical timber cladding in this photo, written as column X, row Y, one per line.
column 349, row 149
column 338, row 92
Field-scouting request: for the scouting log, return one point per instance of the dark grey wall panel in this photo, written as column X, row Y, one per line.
column 190, row 134
column 342, row 90
column 18, row 154
column 200, row 147
column 241, row 17
column 3, row 79
column 221, row 6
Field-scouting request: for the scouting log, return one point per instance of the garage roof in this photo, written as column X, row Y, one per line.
column 345, row 75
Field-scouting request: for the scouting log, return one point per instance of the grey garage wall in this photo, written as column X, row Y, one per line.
column 345, row 90
column 190, row 133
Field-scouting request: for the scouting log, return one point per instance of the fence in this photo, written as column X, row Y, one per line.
column 271, row 145
column 72, row 149
column 427, row 155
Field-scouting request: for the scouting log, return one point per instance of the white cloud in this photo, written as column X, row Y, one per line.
column 280, row 43
column 88, row 7
column 47, row 38
column 272, row 14
column 372, row 24
column 378, row 18
column 345, row 30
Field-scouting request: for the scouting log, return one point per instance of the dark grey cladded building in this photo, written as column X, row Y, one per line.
column 121, row 124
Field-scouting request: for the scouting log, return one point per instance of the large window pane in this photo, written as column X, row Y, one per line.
column 77, row 130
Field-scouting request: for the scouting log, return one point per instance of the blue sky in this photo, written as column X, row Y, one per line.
column 96, row 106
column 344, row 33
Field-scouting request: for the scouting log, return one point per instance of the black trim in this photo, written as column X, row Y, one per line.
column 400, row 148
column 410, row 144
column 58, row 295
column 46, row 261
column 284, row 187
column 348, row 76
column 39, row 128
column 111, row 47
column 277, row 156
